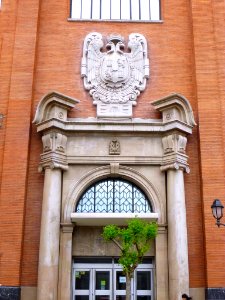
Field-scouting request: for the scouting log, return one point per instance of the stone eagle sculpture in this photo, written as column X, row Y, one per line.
column 115, row 78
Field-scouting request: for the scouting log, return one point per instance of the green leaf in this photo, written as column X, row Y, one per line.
column 133, row 241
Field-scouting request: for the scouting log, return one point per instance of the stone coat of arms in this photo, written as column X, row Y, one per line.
column 113, row 77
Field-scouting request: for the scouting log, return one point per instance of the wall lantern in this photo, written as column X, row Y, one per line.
column 217, row 211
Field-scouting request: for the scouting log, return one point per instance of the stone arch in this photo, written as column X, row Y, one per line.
column 127, row 173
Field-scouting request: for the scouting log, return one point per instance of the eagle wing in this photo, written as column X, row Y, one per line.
column 92, row 55
column 138, row 58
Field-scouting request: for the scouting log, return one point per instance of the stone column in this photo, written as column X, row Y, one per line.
column 177, row 235
column 175, row 163
column 51, row 120
column 53, row 161
column 65, row 288
column 49, row 239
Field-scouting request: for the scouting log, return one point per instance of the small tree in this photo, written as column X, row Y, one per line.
column 134, row 242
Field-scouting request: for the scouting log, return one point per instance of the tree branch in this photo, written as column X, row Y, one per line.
column 117, row 244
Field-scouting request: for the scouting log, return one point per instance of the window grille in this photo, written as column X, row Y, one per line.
column 113, row 196
column 128, row 10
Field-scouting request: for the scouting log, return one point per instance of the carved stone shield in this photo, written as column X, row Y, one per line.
column 113, row 77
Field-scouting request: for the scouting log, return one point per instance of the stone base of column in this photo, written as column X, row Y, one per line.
column 215, row 293
column 9, row 293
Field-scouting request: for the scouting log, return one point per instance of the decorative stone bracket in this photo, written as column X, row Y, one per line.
column 54, row 106
column 175, row 108
column 54, row 151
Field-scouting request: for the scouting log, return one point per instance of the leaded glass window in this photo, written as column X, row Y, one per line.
column 113, row 196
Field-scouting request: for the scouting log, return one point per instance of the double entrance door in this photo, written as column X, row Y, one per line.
column 103, row 279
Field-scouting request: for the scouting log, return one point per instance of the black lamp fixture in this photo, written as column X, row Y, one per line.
column 217, row 211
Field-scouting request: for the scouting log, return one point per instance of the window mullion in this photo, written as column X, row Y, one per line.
column 139, row 9
column 100, row 9
column 91, row 8
column 130, row 10
column 120, row 10
column 94, row 197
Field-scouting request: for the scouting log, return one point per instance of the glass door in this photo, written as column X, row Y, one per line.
column 143, row 284
column 82, row 284
column 92, row 284
column 119, row 285
column 106, row 281
column 103, row 284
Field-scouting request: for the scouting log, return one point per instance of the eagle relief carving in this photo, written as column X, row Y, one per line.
column 113, row 77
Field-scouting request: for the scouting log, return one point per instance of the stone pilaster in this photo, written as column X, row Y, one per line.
column 65, row 270
column 161, row 250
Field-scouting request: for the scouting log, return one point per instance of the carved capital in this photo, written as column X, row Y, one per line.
column 174, row 147
column 54, row 151
column 175, row 166
column 54, row 141
column 174, row 143
column 52, row 163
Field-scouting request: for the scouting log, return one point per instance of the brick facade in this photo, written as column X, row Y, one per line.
column 41, row 52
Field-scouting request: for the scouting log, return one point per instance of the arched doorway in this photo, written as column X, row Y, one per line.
column 152, row 155
column 97, row 274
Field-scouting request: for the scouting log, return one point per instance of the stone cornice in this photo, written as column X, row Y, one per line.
column 52, row 114
column 54, row 105
column 134, row 125
column 175, row 107
column 177, row 122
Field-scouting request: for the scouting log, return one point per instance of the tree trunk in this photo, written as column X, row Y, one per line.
column 128, row 287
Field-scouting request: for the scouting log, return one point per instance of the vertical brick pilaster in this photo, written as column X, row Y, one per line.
column 211, row 131
column 16, row 146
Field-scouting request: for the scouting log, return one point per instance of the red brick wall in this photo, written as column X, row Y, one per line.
column 183, row 59
column 209, row 49
column 18, row 90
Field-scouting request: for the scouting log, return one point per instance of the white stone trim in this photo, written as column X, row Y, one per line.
column 102, row 219
column 132, row 126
